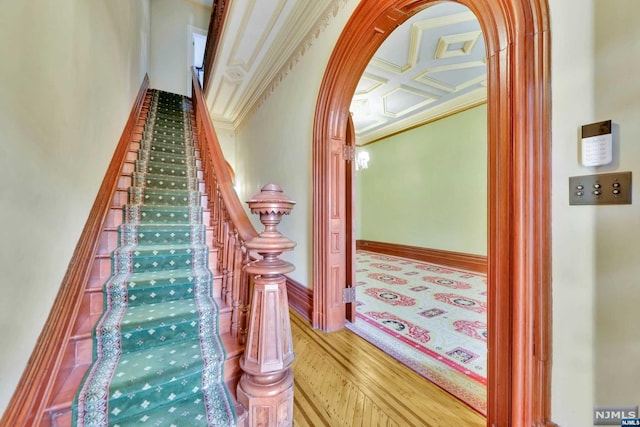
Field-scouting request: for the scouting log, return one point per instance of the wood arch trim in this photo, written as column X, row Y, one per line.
column 518, row 53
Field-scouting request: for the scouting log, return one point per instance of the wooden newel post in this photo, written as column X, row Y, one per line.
column 266, row 386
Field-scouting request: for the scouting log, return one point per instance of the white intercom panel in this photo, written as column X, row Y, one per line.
column 597, row 144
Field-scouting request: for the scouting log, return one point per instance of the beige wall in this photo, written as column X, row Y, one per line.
column 425, row 187
column 274, row 144
column 573, row 228
column 285, row 127
column 170, row 20
column 69, row 73
column 617, row 228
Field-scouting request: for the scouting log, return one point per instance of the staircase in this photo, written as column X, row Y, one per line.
column 162, row 305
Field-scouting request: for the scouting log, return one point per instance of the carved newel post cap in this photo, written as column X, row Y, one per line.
column 271, row 199
column 271, row 204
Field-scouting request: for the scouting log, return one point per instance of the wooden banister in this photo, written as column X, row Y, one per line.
column 230, row 199
column 255, row 290
column 29, row 401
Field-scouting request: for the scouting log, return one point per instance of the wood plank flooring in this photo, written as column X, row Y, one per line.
column 342, row 380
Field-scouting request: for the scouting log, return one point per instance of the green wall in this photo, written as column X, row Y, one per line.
column 427, row 187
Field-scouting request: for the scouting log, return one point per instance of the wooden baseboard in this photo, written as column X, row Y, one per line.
column 475, row 263
column 300, row 298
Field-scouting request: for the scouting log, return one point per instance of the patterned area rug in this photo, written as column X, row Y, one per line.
column 158, row 359
column 429, row 317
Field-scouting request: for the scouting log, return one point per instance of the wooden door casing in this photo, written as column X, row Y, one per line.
column 517, row 41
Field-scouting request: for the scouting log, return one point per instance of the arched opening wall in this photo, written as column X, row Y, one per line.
column 517, row 39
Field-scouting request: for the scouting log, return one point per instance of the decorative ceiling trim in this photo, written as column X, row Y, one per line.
column 377, row 82
column 428, row 98
column 420, row 26
column 463, row 102
column 223, row 126
column 390, row 66
column 424, row 77
column 226, row 90
column 246, row 18
column 303, row 46
column 417, row 30
column 445, row 43
column 439, row 84
column 376, row 122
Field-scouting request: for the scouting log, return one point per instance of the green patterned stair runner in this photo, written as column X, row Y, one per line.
column 158, row 359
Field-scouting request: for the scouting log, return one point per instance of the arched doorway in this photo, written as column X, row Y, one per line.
column 517, row 39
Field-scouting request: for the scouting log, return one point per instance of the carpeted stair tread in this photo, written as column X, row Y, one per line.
column 156, row 258
column 164, row 169
column 169, row 160
column 176, row 413
column 168, row 171
column 186, row 162
column 152, row 287
column 158, row 324
column 164, row 196
column 164, row 157
column 156, row 375
column 161, row 234
column 169, row 149
column 162, row 214
column 168, row 182
column 166, row 142
column 169, row 118
column 165, row 135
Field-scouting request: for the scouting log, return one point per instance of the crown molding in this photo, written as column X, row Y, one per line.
column 456, row 105
column 263, row 93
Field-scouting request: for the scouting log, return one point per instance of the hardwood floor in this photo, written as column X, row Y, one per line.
column 342, row 380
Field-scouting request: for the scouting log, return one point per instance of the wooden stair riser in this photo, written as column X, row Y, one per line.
column 120, row 197
column 133, row 150
column 209, row 241
column 124, row 181
column 108, row 241
column 232, row 371
column 100, row 270
column 114, row 218
column 128, row 167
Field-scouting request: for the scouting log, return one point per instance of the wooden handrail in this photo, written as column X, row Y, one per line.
column 225, row 182
column 28, row 403
column 259, row 312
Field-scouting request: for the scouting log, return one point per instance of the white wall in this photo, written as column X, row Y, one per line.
column 69, row 73
column 170, row 20
column 617, row 228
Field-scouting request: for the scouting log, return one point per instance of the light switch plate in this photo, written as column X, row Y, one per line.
column 600, row 189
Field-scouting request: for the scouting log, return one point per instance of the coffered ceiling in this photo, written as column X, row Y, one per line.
column 431, row 66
